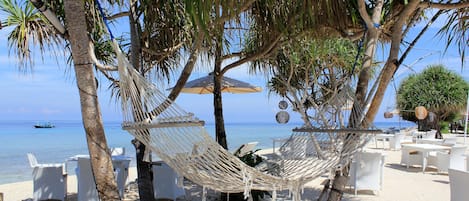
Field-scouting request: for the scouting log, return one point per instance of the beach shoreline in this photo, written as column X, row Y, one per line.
column 399, row 183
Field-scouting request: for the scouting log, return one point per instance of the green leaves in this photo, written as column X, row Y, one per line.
column 437, row 89
column 30, row 27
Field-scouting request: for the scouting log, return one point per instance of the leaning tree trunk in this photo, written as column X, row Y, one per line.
column 392, row 61
column 341, row 177
column 101, row 163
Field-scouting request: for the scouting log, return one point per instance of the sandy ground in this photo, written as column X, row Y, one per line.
column 399, row 184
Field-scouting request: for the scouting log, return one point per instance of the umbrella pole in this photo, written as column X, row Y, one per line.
column 466, row 116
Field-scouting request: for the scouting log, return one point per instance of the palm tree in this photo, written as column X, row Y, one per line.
column 31, row 27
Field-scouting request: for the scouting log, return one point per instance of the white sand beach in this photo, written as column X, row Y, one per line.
column 399, row 184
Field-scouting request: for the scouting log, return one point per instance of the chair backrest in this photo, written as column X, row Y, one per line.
column 116, row 151
column 395, row 142
column 457, row 157
column 245, row 148
column 366, row 172
column 86, row 184
column 450, row 141
column 458, row 183
column 32, row 160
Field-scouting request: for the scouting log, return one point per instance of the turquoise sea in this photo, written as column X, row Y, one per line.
column 55, row 145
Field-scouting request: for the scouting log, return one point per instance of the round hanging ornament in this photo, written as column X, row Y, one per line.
column 283, row 105
column 282, row 117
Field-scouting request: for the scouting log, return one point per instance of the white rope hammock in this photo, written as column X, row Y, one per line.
column 181, row 140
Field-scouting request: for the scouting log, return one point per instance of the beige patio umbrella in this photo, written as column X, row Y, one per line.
column 204, row 85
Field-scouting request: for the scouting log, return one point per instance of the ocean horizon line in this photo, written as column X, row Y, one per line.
column 206, row 122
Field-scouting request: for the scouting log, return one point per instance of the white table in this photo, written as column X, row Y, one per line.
column 382, row 137
column 429, row 141
column 425, row 149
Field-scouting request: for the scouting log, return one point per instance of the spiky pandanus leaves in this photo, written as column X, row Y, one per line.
column 455, row 30
column 30, row 30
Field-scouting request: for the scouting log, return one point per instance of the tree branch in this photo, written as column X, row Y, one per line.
column 232, row 55
column 98, row 64
column 253, row 56
column 243, row 8
column 444, row 6
column 364, row 14
column 118, row 15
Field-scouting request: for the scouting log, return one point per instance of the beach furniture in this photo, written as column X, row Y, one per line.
column 86, row 184
column 453, row 159
column 165, row 182
column 450, row 141
column 245, row 149
column 417, row 154
column 458, row 182
column 395, row 142
column 49, row 180
column 116, row 151
column 382, row 137
column 366, row 171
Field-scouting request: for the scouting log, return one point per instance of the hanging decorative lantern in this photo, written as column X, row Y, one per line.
column 388, row 115
column 282, row 117
column 283, row 105
column 421, row 113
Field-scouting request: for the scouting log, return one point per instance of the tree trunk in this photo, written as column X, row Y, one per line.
column 145, row 173
column 217, row 79
column 217, row 100
column 341, row 177
column 101, row 163
column 144, row 169
column 392, row 62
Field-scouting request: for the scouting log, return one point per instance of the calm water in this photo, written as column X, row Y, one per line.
column 68, row 139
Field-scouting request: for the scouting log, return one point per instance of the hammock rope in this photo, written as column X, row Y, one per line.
column 180, row 139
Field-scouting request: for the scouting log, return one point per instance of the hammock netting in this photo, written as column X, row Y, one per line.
column 180, row 139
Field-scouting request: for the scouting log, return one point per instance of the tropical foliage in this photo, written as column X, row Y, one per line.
column 439, row 90
column 309, row 73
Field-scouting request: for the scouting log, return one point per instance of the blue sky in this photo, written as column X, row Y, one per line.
column 49, row 92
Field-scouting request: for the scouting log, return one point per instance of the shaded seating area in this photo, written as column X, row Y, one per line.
column 49, row 180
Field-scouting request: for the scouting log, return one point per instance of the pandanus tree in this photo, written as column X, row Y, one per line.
column 387, row 22
column 440, row 91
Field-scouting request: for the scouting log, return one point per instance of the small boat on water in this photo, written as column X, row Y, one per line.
column 44, row 125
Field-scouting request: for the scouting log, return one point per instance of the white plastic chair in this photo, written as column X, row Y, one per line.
column 49, row 180
column 245, row 148
column 458, row 183
column 410, row 157
column 455, row 159
column 366, row 171
column 165, row 182
column 86, row 184
column 395, row 142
